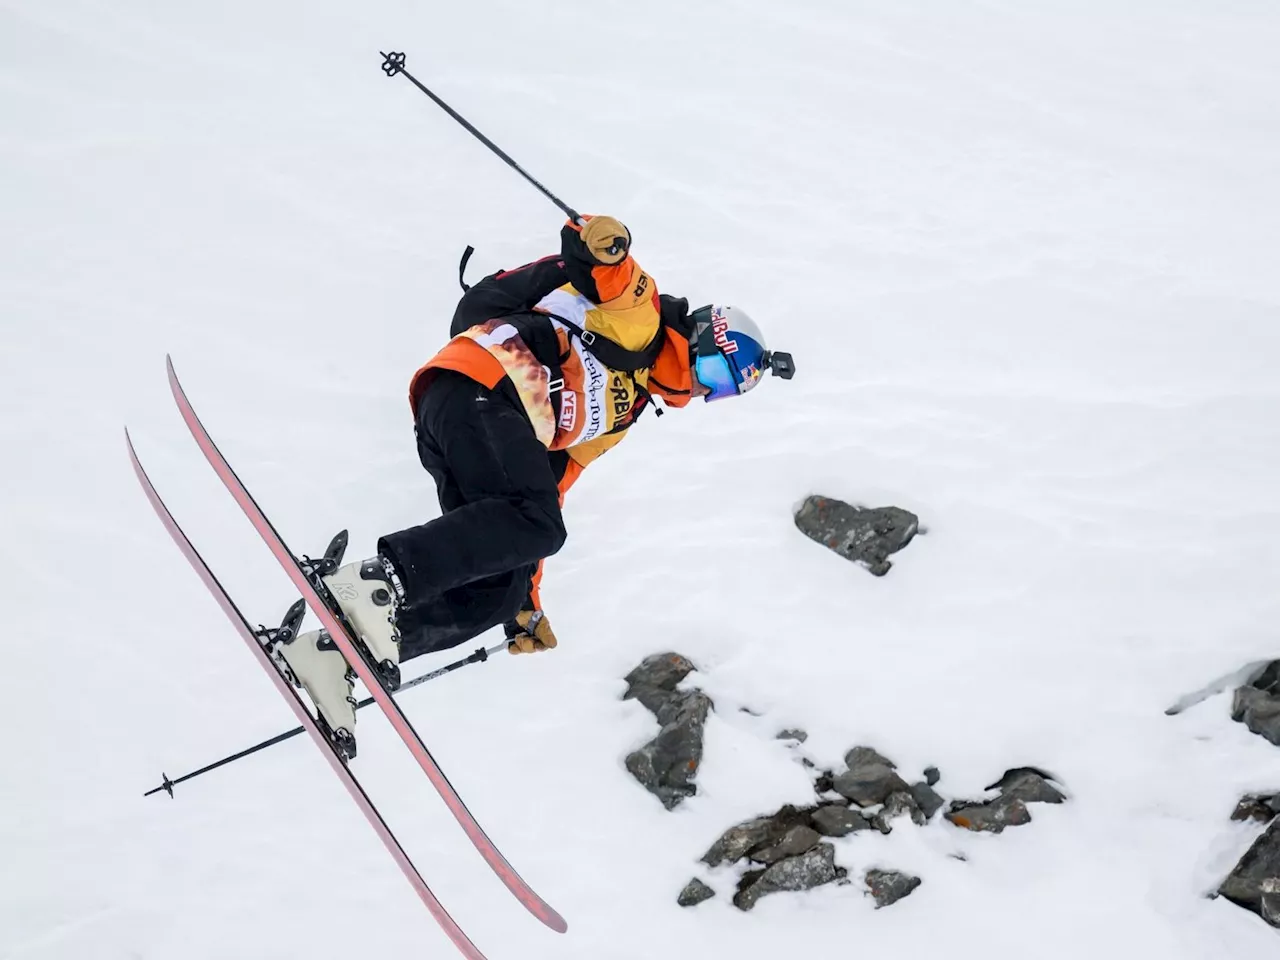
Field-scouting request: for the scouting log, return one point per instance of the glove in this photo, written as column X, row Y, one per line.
column 530, row 632
column 601, row 241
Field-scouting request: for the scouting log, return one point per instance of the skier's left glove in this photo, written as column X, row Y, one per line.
column 529, row 632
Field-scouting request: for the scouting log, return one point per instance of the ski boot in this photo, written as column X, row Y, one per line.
column 312, row 661
column 365, row 594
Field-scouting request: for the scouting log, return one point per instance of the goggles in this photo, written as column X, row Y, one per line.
column 724, row 377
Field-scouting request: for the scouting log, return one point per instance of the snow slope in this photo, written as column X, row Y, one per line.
column 1025, row 257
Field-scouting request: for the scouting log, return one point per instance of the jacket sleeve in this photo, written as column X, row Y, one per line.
column 671, row 377
column 508, row 291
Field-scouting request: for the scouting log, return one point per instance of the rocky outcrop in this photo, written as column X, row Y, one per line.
column 890, row 886
column 837, row 820
column 754, row 835
column 1018, row 787
column 1262, row 808
column 1255, row 882
column 869, row 779
column 667, row 765
column 926, row 798
column 811, row 869
column 656, row 679
column 1257, row 705
column 694, row 893
column 862, row 534
column 990, row 817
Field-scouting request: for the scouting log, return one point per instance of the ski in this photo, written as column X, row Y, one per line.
column 354, row 652
column 447, row 923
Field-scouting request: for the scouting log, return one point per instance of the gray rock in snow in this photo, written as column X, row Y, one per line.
column 809, row 870
column 926, row 799
column 666, row 766
column 1029, row 785
column 899, row 804
column 862, row 534
column 990, row 817
column 890, row 886
column 798, row 736
column 932, row 776
column 1258, row 710
column 837, row 820
column 694, row 893
column 1262, row 808
column 1255, row 882
column 797, row 840
column 865, row 756
column 1268, row 680
column 869, row 780
column 752, row 835
column 655, row 680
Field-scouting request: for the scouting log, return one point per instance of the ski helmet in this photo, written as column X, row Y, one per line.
column 730, row 355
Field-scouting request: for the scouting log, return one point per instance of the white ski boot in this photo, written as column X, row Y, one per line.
column 318, row 667
column 367, row 592
column 312, row 661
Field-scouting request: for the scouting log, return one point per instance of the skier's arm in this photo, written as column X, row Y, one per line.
column 671, row 377
column 508, row 291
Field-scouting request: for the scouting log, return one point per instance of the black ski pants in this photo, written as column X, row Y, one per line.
column 470, row 569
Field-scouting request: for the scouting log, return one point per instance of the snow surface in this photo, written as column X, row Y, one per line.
column 1025, row 255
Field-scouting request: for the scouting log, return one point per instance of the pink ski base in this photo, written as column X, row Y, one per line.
column 338, row 631
column 353, row 786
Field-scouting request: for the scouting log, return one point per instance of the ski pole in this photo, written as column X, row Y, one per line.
column 393, row 63
column 480, row 656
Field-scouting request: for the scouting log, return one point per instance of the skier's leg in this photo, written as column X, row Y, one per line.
column 511, row 515
column 461, row 613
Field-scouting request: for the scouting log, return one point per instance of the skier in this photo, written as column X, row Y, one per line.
column 549, row 366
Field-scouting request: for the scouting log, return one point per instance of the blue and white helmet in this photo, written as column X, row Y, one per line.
column 730, row 355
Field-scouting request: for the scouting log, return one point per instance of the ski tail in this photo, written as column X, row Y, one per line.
column 352, row 650
column 358, row 794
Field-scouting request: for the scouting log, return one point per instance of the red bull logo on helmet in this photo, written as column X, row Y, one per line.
column 720, row 333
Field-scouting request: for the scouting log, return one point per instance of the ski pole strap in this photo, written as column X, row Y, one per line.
column 462, row 267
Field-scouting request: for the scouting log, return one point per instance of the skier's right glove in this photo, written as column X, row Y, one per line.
column 599, row 241
column 529, row 632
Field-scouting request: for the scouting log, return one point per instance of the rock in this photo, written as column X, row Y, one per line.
column 897, row 805
column 666, row 766
column 926, row 799
column 932, row 776
column 655, row 680
column 870, row 778
column 824, row 782
column 1258, row 710
column 890, row 886
column 1028, row 785
column 837, row 820
column 799, row 736
column 1260, row 808
column 812, row 869
column 990, row 817
column 863, row 756
column 1271, row 902
column 736, row 841
column 694, row 893
column 1255, row 882
column 797, row 840
column 863, row 535
column 1269, row 679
